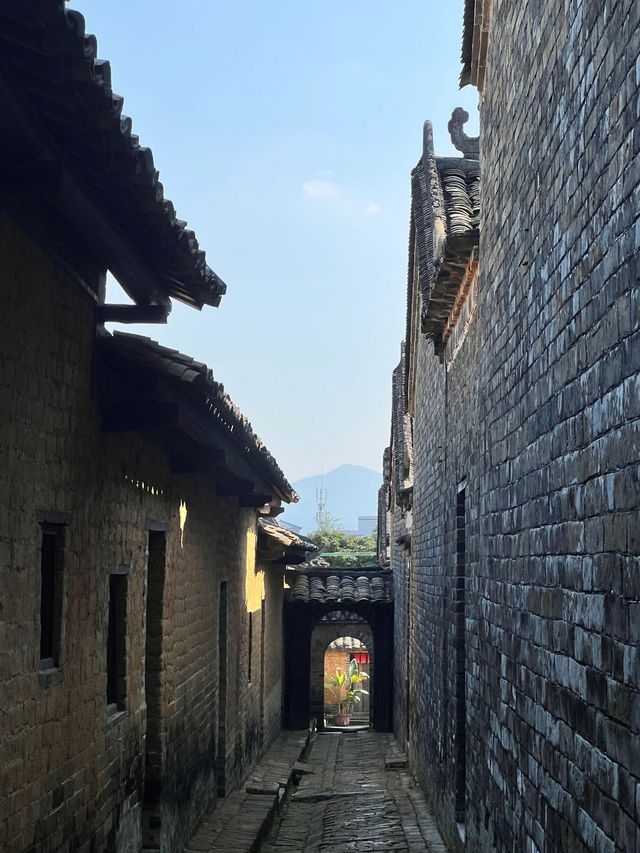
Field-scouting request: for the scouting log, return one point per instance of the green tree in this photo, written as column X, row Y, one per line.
column 331, row 538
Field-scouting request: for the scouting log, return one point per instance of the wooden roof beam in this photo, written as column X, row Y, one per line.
column 197, row 462
column 144, row 416
column 132, row 314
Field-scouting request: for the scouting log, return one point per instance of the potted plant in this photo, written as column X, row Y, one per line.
column 345, row 689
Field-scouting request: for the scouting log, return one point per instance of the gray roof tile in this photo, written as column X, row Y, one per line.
column 53, row 64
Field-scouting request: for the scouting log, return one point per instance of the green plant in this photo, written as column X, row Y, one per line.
column 330, row 537
column 344, row 688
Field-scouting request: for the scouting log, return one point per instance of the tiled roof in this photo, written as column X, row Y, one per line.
column 330, row 586
column 451, row 205
column 400, row 426
column 427, row 215
column 461, row 190
column 467, row 41
column 445, row 216
column 196, row 380
column 54, row 71
column 383, row 505
column 477, row 18
column 284, row 537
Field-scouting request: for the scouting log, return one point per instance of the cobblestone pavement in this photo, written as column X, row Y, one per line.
column 351, row 804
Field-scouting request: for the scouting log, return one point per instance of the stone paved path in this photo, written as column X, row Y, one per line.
column 351, row 804
column 237, row 824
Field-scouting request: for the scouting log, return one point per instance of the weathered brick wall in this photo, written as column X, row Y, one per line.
column 69, row 774
column 539, row 412
column 210, row 551
column 273, row 661
column 256, row 709
column 49, row 464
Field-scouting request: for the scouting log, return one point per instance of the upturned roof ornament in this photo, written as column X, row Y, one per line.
column 469, row 145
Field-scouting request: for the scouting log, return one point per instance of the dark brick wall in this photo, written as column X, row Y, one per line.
column 446, row 431
column 539, row 412
column 71, row 776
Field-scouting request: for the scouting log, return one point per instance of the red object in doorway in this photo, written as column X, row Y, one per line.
column 361, row 657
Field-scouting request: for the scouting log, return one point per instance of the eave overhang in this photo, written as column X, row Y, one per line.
column 277, row 544
column 444, row 236
column 145, row 387
column 62, row 120
column 475, row 41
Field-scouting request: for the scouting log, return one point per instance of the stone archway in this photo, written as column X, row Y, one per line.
column 325, row 631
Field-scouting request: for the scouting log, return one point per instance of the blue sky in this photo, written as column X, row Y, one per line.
column 285, row 134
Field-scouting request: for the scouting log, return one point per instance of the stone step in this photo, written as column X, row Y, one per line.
column 398, row 761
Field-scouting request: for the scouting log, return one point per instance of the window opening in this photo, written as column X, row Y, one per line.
column 51, row 587
column 116, row 643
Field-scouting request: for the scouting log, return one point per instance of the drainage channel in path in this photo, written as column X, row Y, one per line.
column 350, row 802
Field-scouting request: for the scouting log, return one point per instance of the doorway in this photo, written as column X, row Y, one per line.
column 347, row 659
column 359, row 641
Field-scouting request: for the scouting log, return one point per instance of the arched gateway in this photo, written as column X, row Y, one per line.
column 322, row 605
column 328, row 641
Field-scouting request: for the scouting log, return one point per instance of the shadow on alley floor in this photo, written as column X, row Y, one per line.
column 351, row 804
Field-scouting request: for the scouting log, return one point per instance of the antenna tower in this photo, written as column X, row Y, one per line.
column 321, row 502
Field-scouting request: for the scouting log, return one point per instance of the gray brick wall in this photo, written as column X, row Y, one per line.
column 539, row 412
column 559, row 485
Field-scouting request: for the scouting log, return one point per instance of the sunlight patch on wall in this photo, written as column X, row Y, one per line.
column 182, row 513
column 144, row 487
column 254, row 583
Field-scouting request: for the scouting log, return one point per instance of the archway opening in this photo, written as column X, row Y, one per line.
column 329, row 628
column 347, row 683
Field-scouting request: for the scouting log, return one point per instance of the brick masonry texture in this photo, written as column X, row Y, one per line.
column 71, row 777
column 539, row 414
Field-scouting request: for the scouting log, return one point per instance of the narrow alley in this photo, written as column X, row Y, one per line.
column 357, row 797
column 416, row 630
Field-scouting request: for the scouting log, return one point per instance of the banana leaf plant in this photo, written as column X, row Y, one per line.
column 344, row 687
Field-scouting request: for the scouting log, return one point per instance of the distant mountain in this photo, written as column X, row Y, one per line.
column 351, row 491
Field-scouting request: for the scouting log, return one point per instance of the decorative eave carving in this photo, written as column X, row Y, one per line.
column 469, row 145
column 405, row 498
column 404, row 542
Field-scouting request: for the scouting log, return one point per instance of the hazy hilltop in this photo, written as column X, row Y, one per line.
column 351, row 491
